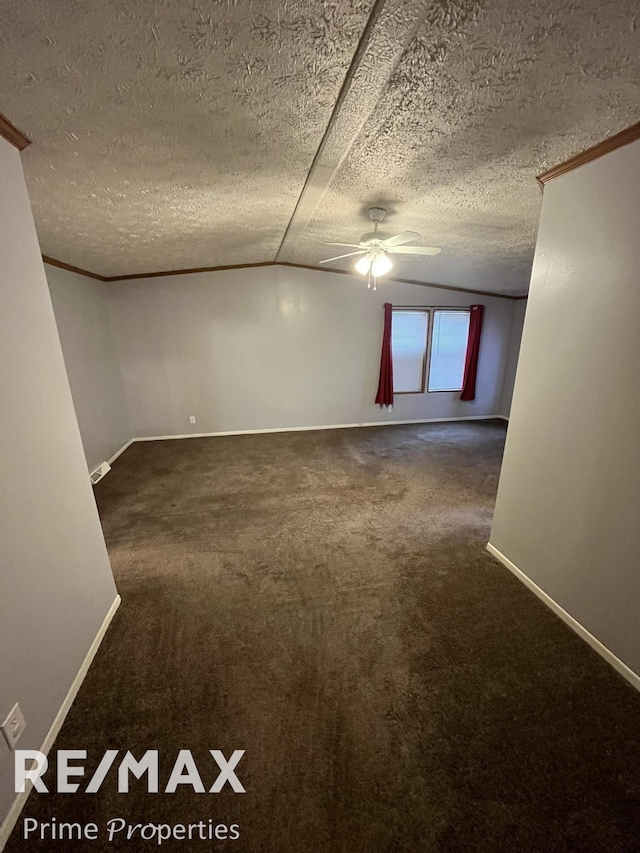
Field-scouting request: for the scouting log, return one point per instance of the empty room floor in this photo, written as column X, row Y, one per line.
column 324, row 601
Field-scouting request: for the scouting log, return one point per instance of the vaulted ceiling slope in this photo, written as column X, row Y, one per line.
column 172, row 134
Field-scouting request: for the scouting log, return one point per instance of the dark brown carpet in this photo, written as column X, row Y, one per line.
column 324, row 601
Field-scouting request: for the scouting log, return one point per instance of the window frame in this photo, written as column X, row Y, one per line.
column 417, row 309
column 430, row 311
column 457, row 309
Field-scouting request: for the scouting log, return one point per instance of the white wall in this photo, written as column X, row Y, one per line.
column 515, row 339
column 568, row 506
column 57, row 585
column 277, row 347
column 82, row 316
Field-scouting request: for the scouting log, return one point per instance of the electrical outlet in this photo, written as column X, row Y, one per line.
column 13, row 726
column 192, row 419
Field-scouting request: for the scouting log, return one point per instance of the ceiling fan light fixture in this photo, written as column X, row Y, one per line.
column 376, row 246
column 381, row 264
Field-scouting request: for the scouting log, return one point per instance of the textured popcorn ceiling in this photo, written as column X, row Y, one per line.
column 171, row 134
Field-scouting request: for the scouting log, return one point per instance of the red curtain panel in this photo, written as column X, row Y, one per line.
column 384, row 396
column 473, row 348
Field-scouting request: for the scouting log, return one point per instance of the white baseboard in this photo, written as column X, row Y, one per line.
column 311, row 428
column 503, row 417
column 626, row 672
column 299, row 429
column 18, row 804
column 122, row 450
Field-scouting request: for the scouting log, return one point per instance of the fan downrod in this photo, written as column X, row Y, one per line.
column 376, row 215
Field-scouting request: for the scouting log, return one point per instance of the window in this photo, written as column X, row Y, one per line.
column 448, row 349
column 409, row 330
column 440, row 333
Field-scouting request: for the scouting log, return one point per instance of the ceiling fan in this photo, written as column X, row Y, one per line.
column 376, row 246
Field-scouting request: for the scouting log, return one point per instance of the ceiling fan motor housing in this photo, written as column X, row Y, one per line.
column 371, row 236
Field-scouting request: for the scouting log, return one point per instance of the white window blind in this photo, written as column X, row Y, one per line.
column 448, row 350
column 409, row 346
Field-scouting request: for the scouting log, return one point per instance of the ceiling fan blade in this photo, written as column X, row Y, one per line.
column 348, row 255
column 351, row 245
column 404, row 237
column 414, row 250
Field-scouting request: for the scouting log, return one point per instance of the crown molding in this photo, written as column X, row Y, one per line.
column 53, row 262
column 630, row 134
column 407, row 281
column 12, row 134
column 70, row 268
column 188, row 271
